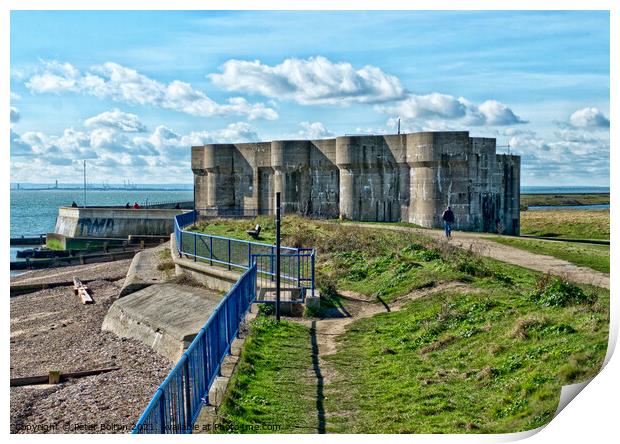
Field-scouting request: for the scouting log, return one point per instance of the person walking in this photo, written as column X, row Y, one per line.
column 448, row 219
column 136, row 206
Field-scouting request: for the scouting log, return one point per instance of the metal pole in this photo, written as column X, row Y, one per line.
column 278, row 256
column 194, row 201
column 84, row 184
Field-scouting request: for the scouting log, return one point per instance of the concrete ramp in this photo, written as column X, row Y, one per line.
column 165, row 317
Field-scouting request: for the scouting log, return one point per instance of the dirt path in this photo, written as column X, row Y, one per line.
column 325, row 332
column 510, row 255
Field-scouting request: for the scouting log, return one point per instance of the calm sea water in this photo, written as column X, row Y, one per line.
column 34, row 212
column 563, row 190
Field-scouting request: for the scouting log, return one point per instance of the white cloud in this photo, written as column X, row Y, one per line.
column 174, row 146
column 430, row 105
column 444, row 106
column 18, row 146
column 589, row 118
column 497, row 113
column 15, row 96
column 316, row 80
column 15, row 115
column 56, row 78
column 116, row 119
column 314, row 130
column 110, row 150
column 111, row 80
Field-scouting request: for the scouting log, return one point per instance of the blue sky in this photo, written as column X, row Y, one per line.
column 132, row 91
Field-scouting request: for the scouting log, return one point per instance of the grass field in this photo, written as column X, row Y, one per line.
column 568, row 224
column 585, row 255
column 274, row 384
column 372, row 262
column 488, row 358
column 564, row 199
column 477, row 362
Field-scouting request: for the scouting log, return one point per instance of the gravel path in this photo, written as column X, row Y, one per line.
column 52, row 330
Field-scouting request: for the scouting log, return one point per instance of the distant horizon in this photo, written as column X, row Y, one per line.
column 189, row 185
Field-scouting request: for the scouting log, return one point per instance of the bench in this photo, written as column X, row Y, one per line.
column 255, row 232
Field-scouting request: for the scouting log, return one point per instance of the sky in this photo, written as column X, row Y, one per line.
column 131, row 91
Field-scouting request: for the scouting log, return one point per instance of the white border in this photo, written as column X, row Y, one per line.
column 593, row 417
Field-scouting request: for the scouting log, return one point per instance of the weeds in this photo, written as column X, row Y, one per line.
column 186, row 279
column 558, row 292
column 165, row 266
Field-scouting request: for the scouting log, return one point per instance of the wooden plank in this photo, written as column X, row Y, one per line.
column 46, row 379
column 82, row 290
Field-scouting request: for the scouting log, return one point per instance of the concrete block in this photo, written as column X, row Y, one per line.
column 165, row 317
column 313, row 302
column 228, row 366
column 143, row 271
column 205, row 423
column 218, row 390
column 236, row 346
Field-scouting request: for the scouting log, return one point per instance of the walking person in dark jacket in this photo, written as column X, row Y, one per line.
column 448, row 219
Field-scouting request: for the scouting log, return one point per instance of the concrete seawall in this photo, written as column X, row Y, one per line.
column 114, row 222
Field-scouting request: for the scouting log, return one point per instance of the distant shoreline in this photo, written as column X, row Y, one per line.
column 100, row 189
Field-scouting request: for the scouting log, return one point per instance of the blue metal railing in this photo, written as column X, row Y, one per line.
column 239, row 254
column 178, row 400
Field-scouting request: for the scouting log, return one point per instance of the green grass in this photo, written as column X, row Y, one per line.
column 54, row 244
column 476, row 362
column 491, row 358
column 236, row 228
column 585, row 255
column 564, row 199
column 274, row 384
column 488, row 359
column 568, row 224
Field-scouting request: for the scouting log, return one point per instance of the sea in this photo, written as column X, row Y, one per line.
column 34, row 211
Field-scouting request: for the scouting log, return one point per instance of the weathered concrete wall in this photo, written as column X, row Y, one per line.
column 405, row 177
column 114, row 222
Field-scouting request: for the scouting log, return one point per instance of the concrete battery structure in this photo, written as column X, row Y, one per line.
column 402, row 177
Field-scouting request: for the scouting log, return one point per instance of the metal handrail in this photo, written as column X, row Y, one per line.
column 186, row 219
column 177, row 402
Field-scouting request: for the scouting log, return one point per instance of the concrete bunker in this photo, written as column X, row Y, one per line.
column 383, row 178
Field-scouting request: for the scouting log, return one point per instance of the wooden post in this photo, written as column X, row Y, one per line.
column 54, row 377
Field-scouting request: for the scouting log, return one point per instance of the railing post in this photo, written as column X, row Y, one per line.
column 229, row 267
column 298, row 269
column 271, row 264
column 188, row 401
column 312, row 271
column 180, row 242
column 249, row 255
column 195, row 238
column 162, row 412
column 211, row 249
